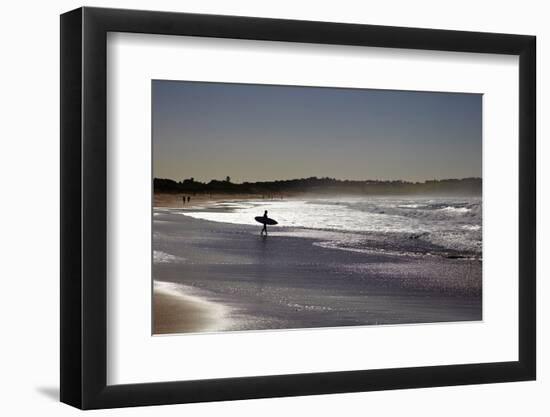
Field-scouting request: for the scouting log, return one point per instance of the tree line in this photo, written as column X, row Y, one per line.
column 463, row 186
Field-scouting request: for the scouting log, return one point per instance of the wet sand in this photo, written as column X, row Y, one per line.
column 177, row 313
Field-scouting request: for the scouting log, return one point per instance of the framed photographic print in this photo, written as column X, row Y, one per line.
column 257, row 208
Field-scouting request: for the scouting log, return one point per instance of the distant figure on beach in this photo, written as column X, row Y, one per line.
column 188, row 198
column 183, row 198
column 265, row 224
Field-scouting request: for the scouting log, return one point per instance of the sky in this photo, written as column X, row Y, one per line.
column 253, row 132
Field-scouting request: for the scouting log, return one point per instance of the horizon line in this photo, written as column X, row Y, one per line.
column 322, row 178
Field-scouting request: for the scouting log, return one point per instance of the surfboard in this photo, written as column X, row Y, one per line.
column 265, row 220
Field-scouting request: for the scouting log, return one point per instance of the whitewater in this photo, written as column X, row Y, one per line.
column 407, row 225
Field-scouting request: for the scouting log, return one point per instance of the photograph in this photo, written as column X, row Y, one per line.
column 294, row 207
column 257, row 205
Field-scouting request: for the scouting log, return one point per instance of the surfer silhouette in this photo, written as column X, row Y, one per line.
column 265, row 221
column 264, row 230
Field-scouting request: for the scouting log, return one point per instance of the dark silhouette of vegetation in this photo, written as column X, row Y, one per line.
column 314, row 185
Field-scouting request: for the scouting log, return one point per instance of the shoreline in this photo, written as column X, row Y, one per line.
column 228, row 278
column 238, row 211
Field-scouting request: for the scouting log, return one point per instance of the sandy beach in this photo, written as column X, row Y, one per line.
column 226, row 277
column 175, row 200
column 176, row 312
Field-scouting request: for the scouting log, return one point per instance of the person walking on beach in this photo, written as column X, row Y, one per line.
column 264, row 230
column 265, row 221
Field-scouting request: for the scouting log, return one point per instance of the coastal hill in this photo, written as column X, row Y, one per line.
column 314, row 185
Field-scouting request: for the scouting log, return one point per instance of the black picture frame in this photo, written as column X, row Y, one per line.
column 84, row 207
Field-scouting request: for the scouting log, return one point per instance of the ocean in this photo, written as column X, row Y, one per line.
column 405, row 225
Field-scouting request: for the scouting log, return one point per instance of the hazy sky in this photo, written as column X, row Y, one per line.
column 255, row 132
